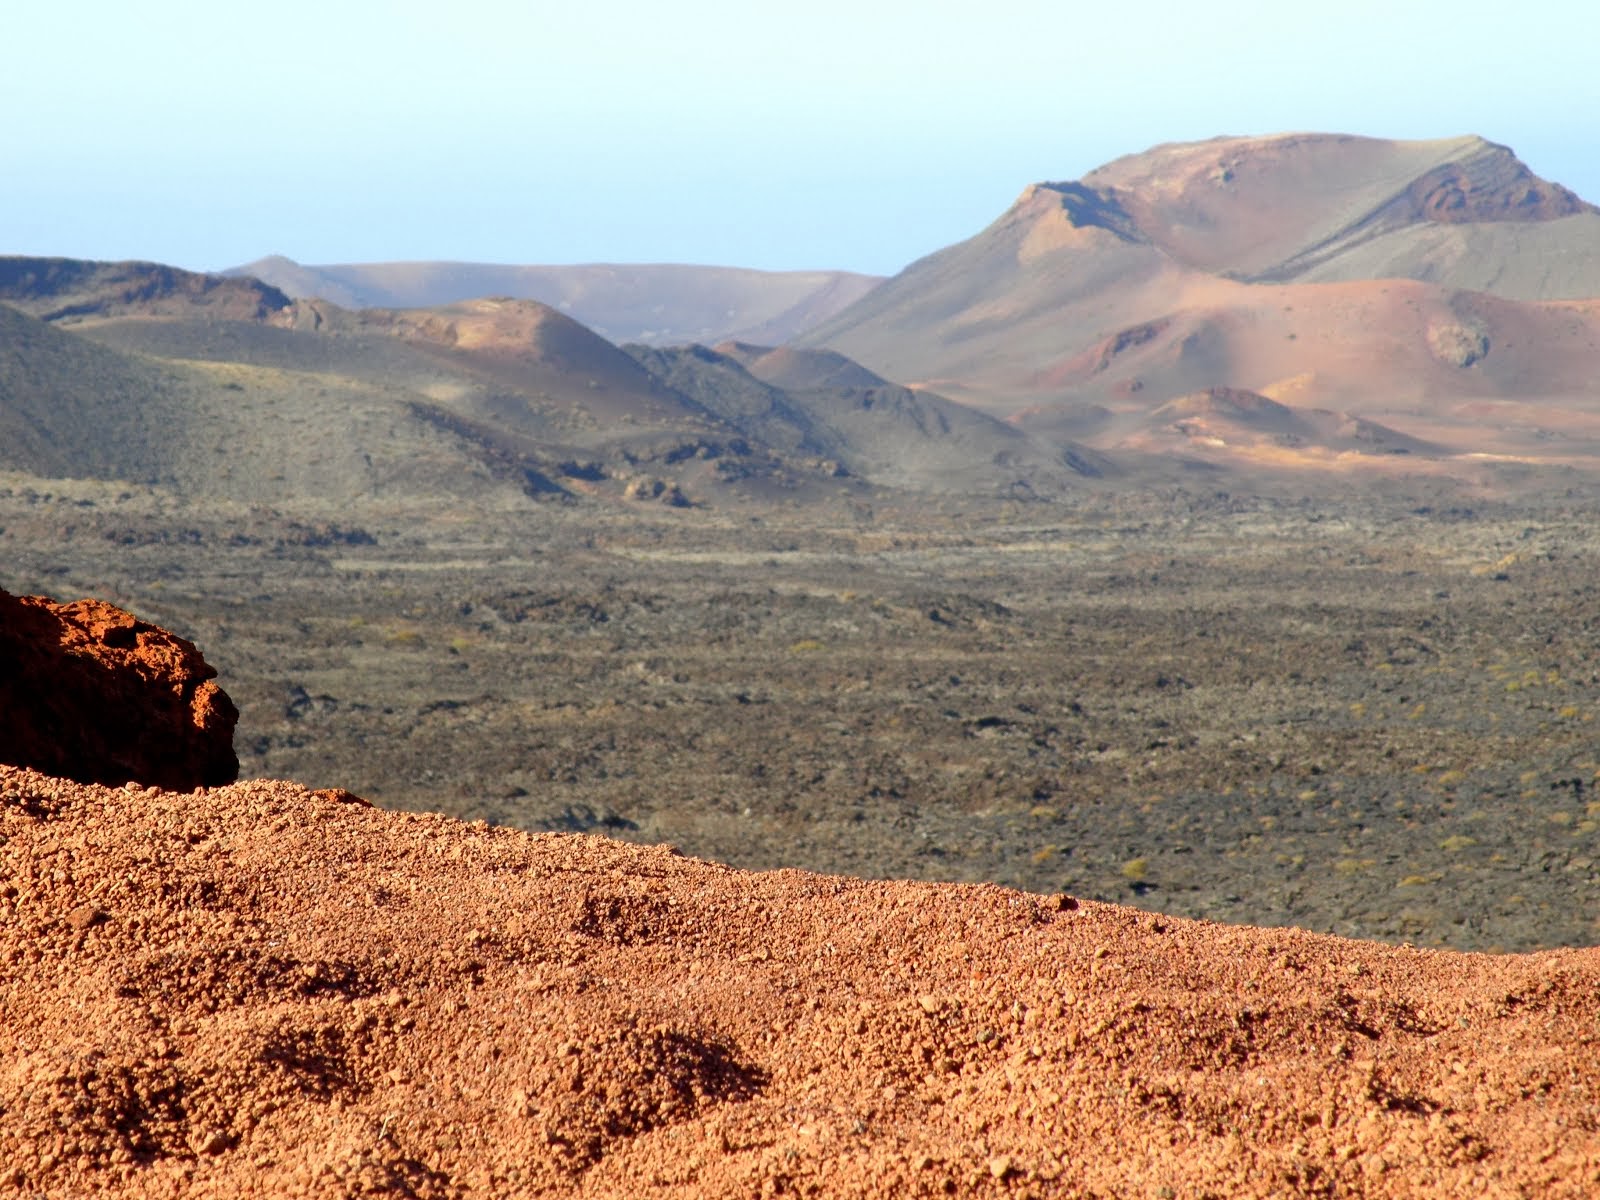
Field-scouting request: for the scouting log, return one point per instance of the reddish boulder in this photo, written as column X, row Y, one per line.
column 91, row 693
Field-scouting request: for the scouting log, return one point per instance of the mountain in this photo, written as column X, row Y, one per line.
column 69, row 289
column 94, row 401
column 227, row 388
column 1459, row 212
column 1411, row 283
column 655, row 304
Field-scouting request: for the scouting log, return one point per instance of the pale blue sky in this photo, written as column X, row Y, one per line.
column 856, row 135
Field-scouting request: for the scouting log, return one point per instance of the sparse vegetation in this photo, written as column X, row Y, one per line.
column 1227, row 690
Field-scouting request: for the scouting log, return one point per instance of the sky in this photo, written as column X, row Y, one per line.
column 839, row 134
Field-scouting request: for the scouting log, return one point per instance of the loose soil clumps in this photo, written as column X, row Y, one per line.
column 91, row 693
column 260, row 990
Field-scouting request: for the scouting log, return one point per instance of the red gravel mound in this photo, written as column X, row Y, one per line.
column 265, row 991
column 91, row 693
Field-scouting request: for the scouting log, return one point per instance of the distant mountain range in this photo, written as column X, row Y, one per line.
column 655, row 304
column 1259, row 306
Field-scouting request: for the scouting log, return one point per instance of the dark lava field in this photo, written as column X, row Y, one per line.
column 1365, row 716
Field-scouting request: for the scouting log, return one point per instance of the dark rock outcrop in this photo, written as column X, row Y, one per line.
column 91, row 693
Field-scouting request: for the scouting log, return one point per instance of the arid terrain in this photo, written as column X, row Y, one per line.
column 1363, row 717
column 1209, row 544
column 256, row 989
column 1213, row 649
column 261, row 991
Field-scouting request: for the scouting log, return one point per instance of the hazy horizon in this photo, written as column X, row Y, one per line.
column 841, row 138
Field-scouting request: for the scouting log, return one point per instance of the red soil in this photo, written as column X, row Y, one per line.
column 264, row 991
column 92, row 693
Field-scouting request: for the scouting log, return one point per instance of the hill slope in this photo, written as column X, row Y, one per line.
column 65, row 290
column 71, row 407
column 821, row 403
column 1459, row 212
column 245, row 394
column 225, row 388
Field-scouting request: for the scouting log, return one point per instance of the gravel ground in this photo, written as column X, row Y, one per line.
column 264, row 991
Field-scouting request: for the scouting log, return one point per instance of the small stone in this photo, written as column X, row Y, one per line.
column 930, row 1004
column 84, row 916
column 214, row 1142
column 1001, row 1167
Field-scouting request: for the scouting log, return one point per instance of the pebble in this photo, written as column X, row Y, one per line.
column 85, row 915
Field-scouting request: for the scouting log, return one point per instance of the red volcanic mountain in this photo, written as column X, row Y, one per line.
column 1419, row 284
